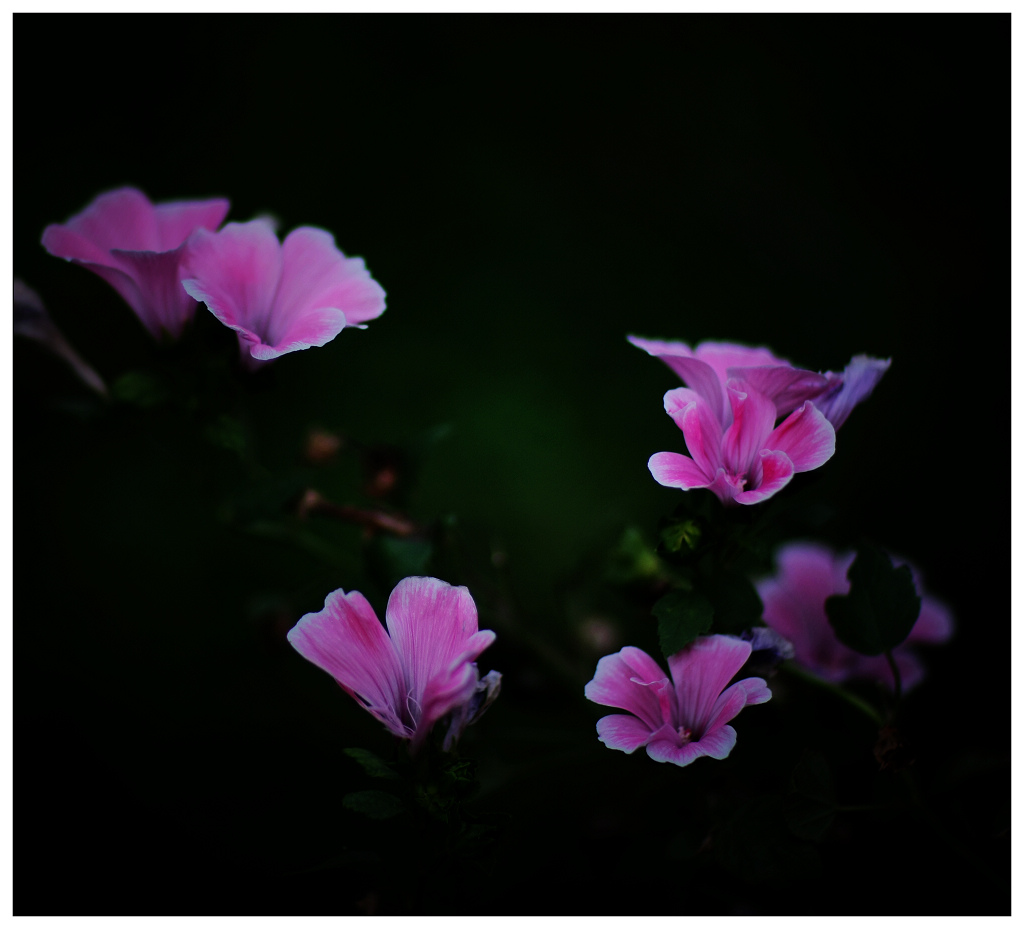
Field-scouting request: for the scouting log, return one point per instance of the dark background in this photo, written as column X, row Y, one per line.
column 527, row 190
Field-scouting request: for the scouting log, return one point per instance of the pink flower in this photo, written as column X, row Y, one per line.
column 749, row 460
column 794, row 606
column 681, row 719
column 708, row 368
column 137, row 248
column 279, row 297
column 420, row 673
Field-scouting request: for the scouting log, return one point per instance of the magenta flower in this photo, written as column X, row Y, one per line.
column 794, row 606
column 137, row 247
column 681, row 719
column 708, row 368
column 279, row 297
column 749, row 460
column 420, row 673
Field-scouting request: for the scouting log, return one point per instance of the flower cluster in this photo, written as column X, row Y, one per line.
column 750, row 419
column 278, row 297
column 794, row 606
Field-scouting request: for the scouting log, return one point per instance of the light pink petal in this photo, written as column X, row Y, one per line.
column 161, row 302
column 63, row 242
column 785, row 386
column 666, row 750
column 178, row 220
column 658, row 348
column 806, row 437
column 317, row 275
column 615, row 684
column 117, row 219
column 701, row 378
column 625, row 733
column 671, row 469
column 313, row 329
column 856, row 383
column 722, row 356
column 701, row 428
column 700, row 673
column 347, row 641
column 753, row 416
column 776, row 472
column 235, row 272
column 748, row 692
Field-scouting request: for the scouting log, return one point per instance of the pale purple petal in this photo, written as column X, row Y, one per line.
column 157, row 297
column 235, row 272
column 666, row 750
column 176, row 221
column 615, row 684
column 748, row 692
column 718, row 742
column 722, row 356
column 856, row 383
column 785, row 386
column 753, row 416
column 700, row 673
column 625, row 733
column 347, row 641
column 776, row 472
column 935, row 624
column 807, row 438
column 670, row 469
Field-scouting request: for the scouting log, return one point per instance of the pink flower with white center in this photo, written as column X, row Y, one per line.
column 708, row 368
column 279, row 297
column 137, row 247
column 750, row 460
column 682, row 718
column 794, row 606
column 421, row 672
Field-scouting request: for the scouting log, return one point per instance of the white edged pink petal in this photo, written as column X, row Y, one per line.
column 670, row 469
column 701, row 671
column 776, row 471
column 615, row 684
column 622, row 732
column 806, row 436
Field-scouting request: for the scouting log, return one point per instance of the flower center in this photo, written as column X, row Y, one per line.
column 684, row 735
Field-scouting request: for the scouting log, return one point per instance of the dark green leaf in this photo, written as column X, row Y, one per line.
column 881, row 607
column 682, row 616
column 139, row 389
column 373, row 803
column 736, row 602
column 811, row 803
column 371, row 764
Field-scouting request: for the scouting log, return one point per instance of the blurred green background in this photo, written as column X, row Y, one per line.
column 528, row 190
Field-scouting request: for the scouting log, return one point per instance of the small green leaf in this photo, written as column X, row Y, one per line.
column 139, row 389
column 373, row 803
column 810, row 806
column 881, row 607
column 682, row 616
column 681, row 535
column 371, row 764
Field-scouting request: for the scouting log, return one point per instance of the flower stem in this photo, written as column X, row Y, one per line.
column 866, row 708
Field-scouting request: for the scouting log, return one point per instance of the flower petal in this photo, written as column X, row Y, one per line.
column 785, row 386
column 701, row 429
column 670, row 469
column 806, row 436
column 614, row 685
column 719, row 742
column 776, row 472
column 235, row 272
column 665, row 750
column 856, row 383
column 122, row 218
column 625, row 733
column 935, row 624
column 347, row 641
column 753, row 416
column 176, row 221
column 722, row 356
column 748, row 692
column 700, row 672
column 160, row 301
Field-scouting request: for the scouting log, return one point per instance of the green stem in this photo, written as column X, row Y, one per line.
column 866, row 708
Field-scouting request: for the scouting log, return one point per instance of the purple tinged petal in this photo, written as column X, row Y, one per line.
column 700, row 672
column 701, row 430
column 347, row 641
column 176, row 221
column 748, row 692
column 722, row 356
column 121, row 218
column 625, row 733
column 807, row 438
column 701, row 378
column 718, row 743
column 667, row 750
column 157, row 296
column 615, row 684
column 785, row 386
column 934, row 625
column 856, row 383
column 670, row 469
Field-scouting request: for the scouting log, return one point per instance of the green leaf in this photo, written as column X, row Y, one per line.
column 371, row 764
column 139, row 389
column 227, row 432
column 810, row 806
column 682, row 616
column 881, row 607
column 373, row 803
column 736, row 602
